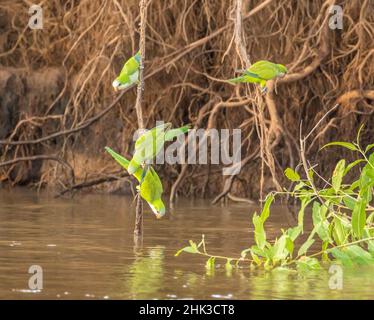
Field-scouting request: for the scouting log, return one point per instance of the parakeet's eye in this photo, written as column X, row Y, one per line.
column 116, row 83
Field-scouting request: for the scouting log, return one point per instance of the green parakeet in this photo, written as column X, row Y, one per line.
column 261, row 72
column 150, row 189
column 149, row 144
column 129, row 73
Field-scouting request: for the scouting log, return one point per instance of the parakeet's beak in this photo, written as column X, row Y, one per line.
column 281, row 75
column 158, row 213
column 116, row 85
column 159, row 216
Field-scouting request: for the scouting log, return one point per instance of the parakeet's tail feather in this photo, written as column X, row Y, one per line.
column 237, row 80
column 145, row 170
column 121, row 160
column 171, row 134
column 125, row 163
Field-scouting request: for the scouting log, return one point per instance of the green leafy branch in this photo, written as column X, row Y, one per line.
column 342, row 217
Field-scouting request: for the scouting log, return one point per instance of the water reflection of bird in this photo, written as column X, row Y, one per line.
column 146, row 274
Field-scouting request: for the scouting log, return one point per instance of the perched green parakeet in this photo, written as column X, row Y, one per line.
column 149, row 144
column 129, row 73
column 150, row 189
column 261, row 72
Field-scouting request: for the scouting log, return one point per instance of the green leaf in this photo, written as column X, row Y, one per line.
column 316, row 213
column 369, row 147
column 339, row 232
column 294, row 232
column 290, row 245
column 367, row 177
column 279, row 248
column 359, row 133
column 355, row 185
column 228, row 265
column 193, row 245
column 307, row 264
column 343, row 257
column 359, row 255
column 300, row 217
column 321, row 225
column 300, row 185
column 210, row 263
column 337, row 175
column 260, row 252
column 325, row 256
column 323, row 231
column 266, row 209
column 260, row 235
column 371, row 247
column 310, row 174
column 292, row 175
column 255, row 258
column 370, row 218
column 349, row 202
column 347, row 145
column 359, row 218
column 352, row 165
column 371, row 160
column 306, row 245
column 327, row 192
column 187, row 249
column 370, row 242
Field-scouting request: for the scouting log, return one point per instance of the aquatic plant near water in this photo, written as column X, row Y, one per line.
column 342, row 216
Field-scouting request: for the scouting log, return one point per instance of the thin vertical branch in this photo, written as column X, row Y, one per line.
column 238, row 32
column 139, row 97
column 138, row 106
column 138, row 231
column 302, row 151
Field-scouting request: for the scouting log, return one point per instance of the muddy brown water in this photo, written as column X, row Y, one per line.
column 86, row 250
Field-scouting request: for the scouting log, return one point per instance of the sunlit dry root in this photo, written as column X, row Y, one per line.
column 192, row 48
column 354, row 96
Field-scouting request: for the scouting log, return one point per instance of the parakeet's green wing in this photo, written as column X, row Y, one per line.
column 251, row 74
column 135, row 162
column 264, row 69
column 130, row 67
column 157, row 181
column 157, row 188
column 140, row 142
column 145, row 146
column 151, row 188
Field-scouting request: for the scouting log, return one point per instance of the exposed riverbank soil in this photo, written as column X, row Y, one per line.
column 58, row 110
